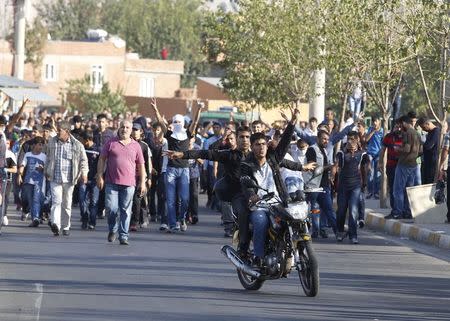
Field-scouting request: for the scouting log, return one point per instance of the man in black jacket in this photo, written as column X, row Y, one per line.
column 263, row 167
column 430, row 150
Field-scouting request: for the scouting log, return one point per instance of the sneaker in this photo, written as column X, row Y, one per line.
column 177, row 225
column 369, row 196
column 183, row 226
column 66, row 232
column 407, row 216
column 55, row 229
column 84, row 225
column 111, row 237
column 143, row 225
column 163, row 227
column 91, row 227
column 5, row 221
column 392, row 217
column 194, row 220
column 133, row 228
column 124, row 242
column 354, row 241
column 24, row 216
column 323, row 234
column 35, row 223
column 361, row 223
column 340, row 236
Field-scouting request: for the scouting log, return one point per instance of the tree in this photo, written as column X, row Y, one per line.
column 268, row 50
column 79, row 95
column 70, row 19
column 367, row 37
column 146, row 26
column 35, row 40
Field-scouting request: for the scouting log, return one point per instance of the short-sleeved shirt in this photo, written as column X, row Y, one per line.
column 31, row 163
column 121, row 161
column 389, row 141
column 178, row 146
column 411, row 138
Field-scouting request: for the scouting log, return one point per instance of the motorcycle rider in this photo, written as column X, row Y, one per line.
column 263, row 167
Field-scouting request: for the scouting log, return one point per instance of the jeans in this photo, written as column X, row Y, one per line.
column 157, row 200
column 33, row 195
column 404, row 177
column 260, row 222
column 227, row 217
column 361, row 206
column 177, row 186
column 355, row 105
column 348, row 199
column 61, row 209
column 374, row 176
column 390, row 174
column 417, row 175
column 322, row 205
column 118, row 201
column 88, row 198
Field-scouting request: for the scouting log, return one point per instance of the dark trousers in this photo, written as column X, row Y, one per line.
column 101, row 203
column 428, row 172
column 240, row 209
column 157, row 205
column 390, row 174
column 138, row 208
column 348, row 199
column 193, row 197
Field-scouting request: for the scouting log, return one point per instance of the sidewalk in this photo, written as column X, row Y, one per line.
column 432, row 234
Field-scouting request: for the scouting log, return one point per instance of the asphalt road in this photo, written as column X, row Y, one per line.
column 184, row 277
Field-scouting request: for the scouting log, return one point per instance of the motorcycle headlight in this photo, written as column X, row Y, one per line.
column 298, row 211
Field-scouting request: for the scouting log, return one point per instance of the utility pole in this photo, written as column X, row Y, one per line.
column 19, row 38
column 317, row 105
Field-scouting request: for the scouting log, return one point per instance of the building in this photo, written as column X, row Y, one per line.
column 105, row 61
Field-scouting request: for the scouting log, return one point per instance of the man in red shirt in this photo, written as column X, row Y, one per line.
column 394, row 138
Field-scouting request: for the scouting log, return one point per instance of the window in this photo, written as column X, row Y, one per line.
column 147, row 87
column 97, row 75
column 50, row 72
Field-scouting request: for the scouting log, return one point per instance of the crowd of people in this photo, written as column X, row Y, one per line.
column 134, row 171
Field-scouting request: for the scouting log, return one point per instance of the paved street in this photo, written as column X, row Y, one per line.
column 184, row 277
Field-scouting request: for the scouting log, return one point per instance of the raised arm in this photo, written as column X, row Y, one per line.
column 193, row 126
column 161, row 119
column 16, row 117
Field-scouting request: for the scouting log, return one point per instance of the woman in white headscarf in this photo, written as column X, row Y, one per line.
column 177, row 172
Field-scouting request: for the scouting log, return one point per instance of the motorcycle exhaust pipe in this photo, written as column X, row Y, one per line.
column 234, row 258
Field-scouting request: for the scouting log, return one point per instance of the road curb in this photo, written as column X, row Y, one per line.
column 376, row 221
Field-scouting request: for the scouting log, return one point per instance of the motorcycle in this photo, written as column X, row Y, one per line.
column 288, row 244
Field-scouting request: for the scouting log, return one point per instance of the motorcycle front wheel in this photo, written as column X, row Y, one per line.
column 308, row 269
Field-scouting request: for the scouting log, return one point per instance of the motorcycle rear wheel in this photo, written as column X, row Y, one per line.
column 249, row 282
column 309, row 273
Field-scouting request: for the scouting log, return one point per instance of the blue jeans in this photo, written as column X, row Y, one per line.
column 260, row 222
column 88, row 198
column 177, row 186
column 348, row 199
column 354, row 105
column 322, row 205
column 33, row 196
column 374, row 176
column 118, row 201
column 417, row 176
column 404, row 177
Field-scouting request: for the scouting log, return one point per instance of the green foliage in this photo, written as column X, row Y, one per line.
column 79, row 94
column 36, row 38
column 70, row 19
column 146, row 26
column 268, row 50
